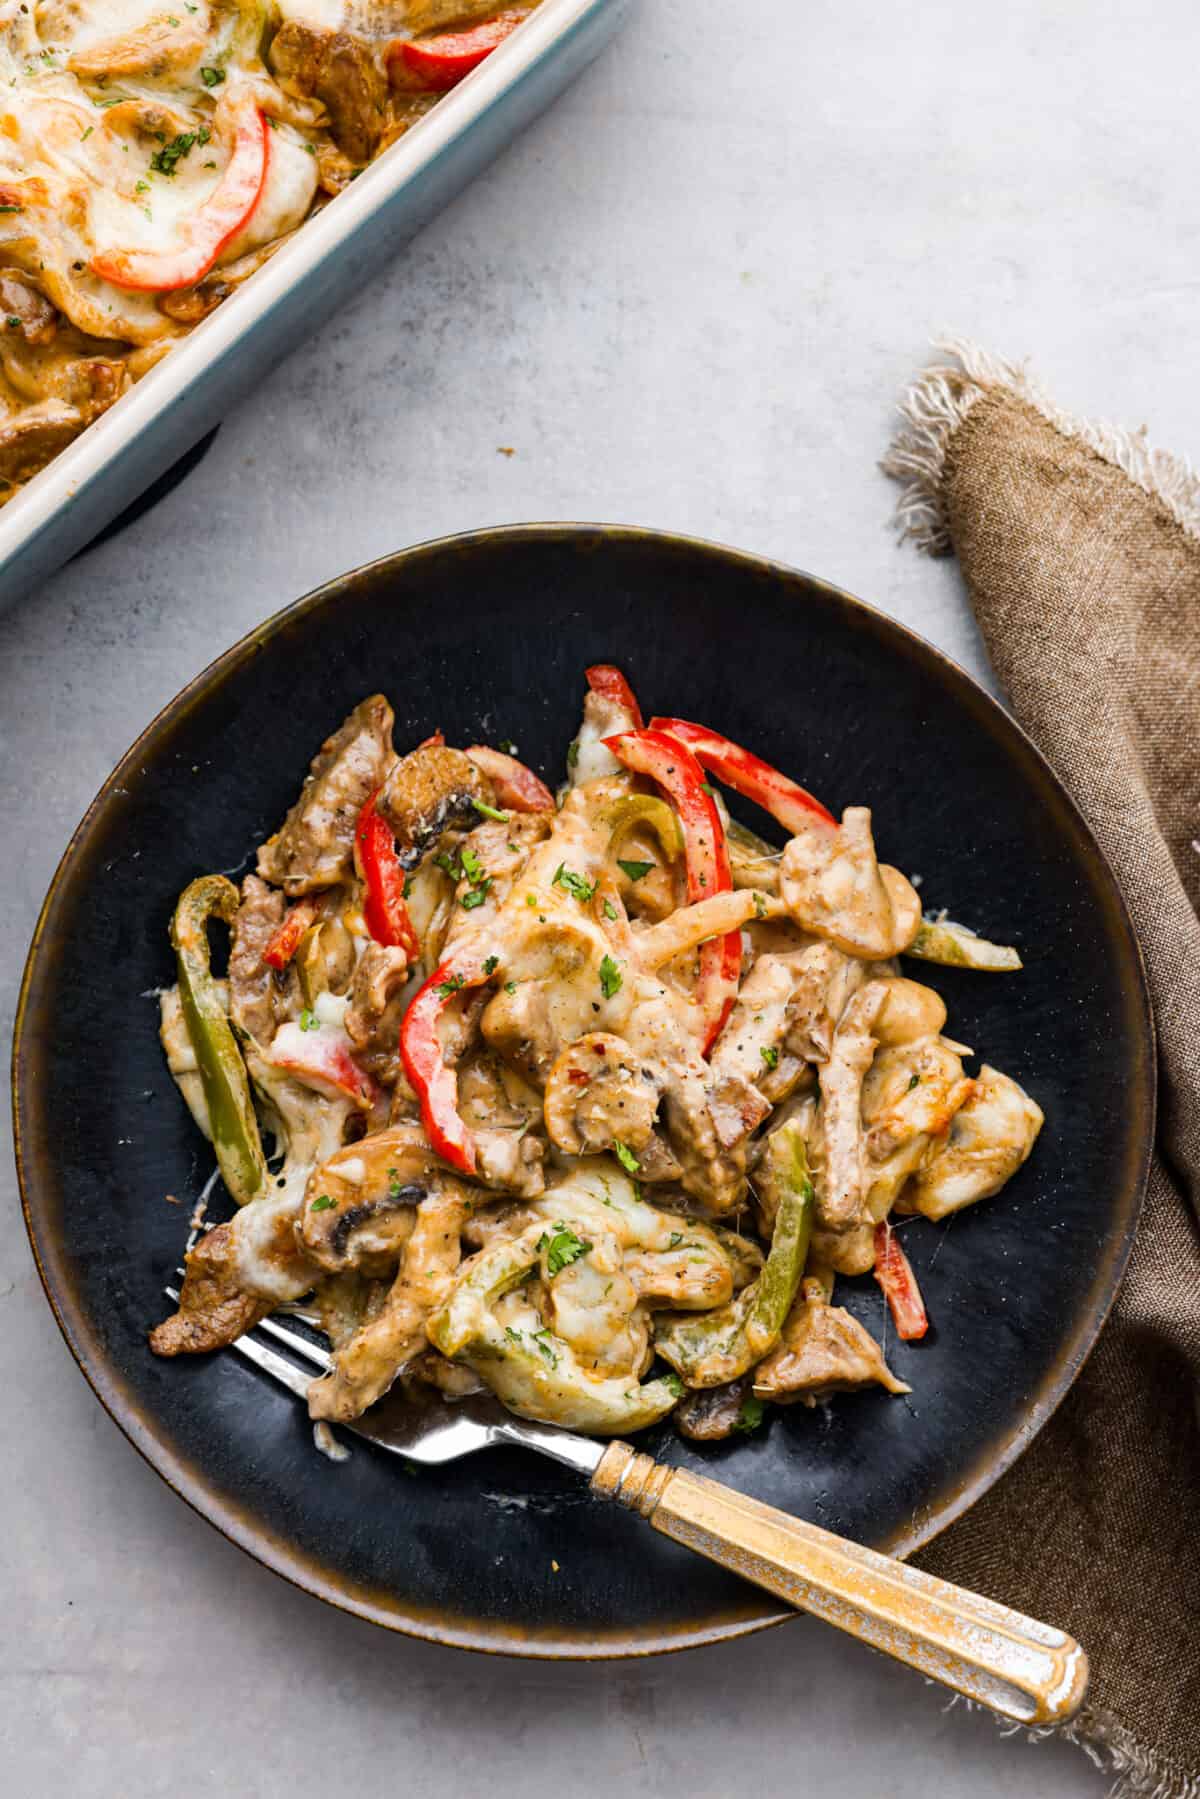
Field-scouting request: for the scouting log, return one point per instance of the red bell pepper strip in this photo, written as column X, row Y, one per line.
column 286, row 940
column 441, row 62
column 435, row 1084
column 215, row 221
column 789, row 804
column 611, row 685
column 321, row 1059
column 706, row 860
column 384, row 909
column 516, row 785
column 899, row 1283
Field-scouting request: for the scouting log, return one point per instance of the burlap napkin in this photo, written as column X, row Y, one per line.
column 1080, row 548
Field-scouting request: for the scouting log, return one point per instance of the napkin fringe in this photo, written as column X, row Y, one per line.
column 1137, row 1773
column 940, row 399
column 1110, row 1747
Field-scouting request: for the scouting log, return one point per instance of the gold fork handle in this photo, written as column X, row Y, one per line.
column 1023, row 1669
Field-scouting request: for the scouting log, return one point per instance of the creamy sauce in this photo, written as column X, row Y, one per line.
column 328, row 1444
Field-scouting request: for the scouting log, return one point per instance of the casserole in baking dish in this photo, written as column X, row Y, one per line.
column 155, row 153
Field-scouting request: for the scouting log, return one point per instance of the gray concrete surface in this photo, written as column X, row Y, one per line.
column 687, row 298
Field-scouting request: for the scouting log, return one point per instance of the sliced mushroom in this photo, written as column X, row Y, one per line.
column 315, row 846
column 35, row 319
column 359, row 1206
column 34, row 437
column 710, row 1414
column 599, row 1094
column 833, row 886
column 428, row 793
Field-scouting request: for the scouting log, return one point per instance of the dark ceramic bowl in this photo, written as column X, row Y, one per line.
column 487, row 636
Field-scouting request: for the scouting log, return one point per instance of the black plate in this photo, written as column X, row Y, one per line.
column 487, row 636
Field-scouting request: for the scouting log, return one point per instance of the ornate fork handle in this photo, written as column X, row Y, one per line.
column 1026, row 1670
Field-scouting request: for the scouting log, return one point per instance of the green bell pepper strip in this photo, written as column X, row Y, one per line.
column 649, row 812
column 954, row 946
column 536, row 1373
column 222, row 1071
column 721, row 1345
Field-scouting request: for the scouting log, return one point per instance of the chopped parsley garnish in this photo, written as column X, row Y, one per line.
column 408, row 886
column 12, row 209
column 672, row 1382
column 637, row 871
column 510, row 986
column 486, row 811
column 610, row 977
column 770, row 1056
column 491, row 965
column 452, row 984
column 84, row 135
column 508, row 746
column 626, row 1157
column 707, row 787
column 575, row 885
column 13, row 322
column 474, row 871
column 610, row 911
column 573, row 753
column 322, row 1204
column 309, row 1021
column 760, row 906
column 914, row 1082
column 166, row 161
column 675, row 1239
column 562, row 1247
column 750, row 1415
column 447, row 865
column 531, row 899
column 512, row 1335
column 542, row 1339
column 212, row 77
column 311, row 148
column 141, row 187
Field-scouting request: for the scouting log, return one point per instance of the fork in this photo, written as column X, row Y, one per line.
column 1027, row 1671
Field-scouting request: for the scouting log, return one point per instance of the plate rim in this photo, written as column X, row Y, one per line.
column 236, row 1521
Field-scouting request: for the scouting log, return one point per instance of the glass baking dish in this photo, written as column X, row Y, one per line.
column 325, row 263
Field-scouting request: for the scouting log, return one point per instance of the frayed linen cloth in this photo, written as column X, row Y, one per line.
column 1080, row 549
